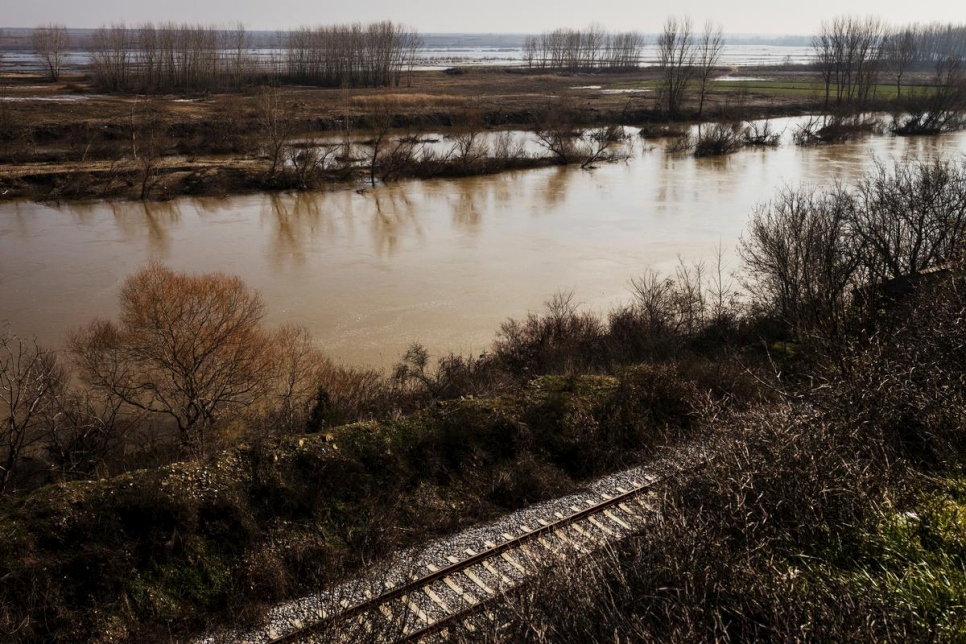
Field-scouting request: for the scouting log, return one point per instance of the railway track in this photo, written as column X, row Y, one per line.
column 426, row 606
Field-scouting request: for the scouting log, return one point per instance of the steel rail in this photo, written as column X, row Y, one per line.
column 409, row 588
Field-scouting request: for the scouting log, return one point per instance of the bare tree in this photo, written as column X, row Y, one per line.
column 373, row 54
column 901, row 48
column 186, row 348
column 385, row 157
column 624, row 50
column 111, row 57
column 148, row 140
column 939, row 107
column 90, row 426
column 50, row 41
column 239, row 63
column 29, row 379
column 709, row 51
column 849, row 53
column 531, row 45
column 278, row 123
column 824, row 46
column 297, row 371
column 676, row 56
column 411, row 44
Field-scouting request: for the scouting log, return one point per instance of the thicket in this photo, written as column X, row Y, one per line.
column 353, row 55
column 826, row 518
column 584, row 50
column 829, row 258
column 854, row 54
column 189, row 58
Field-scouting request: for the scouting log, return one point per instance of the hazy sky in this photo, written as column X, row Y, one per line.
column 507, row 16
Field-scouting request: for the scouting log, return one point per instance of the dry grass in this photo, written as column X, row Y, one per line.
column 408, row 101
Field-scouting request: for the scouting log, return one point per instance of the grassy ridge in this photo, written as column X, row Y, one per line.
column 132, row 557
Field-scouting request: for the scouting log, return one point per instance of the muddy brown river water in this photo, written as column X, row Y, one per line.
column 443, row 262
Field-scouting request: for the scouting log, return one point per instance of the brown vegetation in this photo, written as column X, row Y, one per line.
column 799, row 525
column 158, row 148
column 187, row 348
column 805, row 456
column 826, row 405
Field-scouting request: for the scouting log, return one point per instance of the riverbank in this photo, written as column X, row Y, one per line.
column 62, row 141
column 832, row 418
column 810, row 496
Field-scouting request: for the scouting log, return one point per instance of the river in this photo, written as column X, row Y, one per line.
column 442, row 262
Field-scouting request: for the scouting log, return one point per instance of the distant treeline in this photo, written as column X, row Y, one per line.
column 852, row 53
column 356, row 54
column 183, row 57
column 583, row 50
column 928, row 44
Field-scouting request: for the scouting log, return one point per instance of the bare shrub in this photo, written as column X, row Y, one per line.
column 451, row 376
column 604, row 144
column 308, row 161
column 801, row 260
column 506, row 149
column 15, row 137
column 718, row 139
column 726, row 555
column 907, row 380
column 654, row 404
column 809, row 250
column 669, row 313
column 761, row 133
column 909, row 217
column 834, row 128
column 559, row 340
column 680, row 142
column 348, row 394
column 558, row 132
column 469, row 147
column 663, row 130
